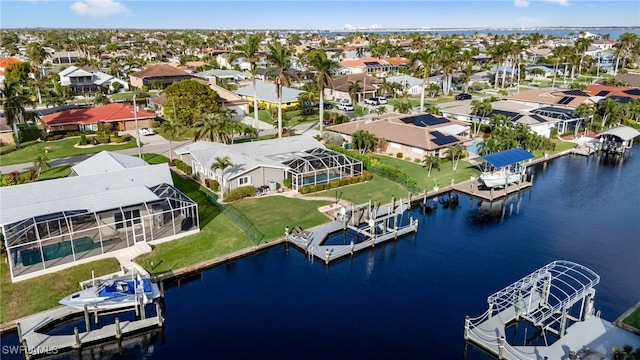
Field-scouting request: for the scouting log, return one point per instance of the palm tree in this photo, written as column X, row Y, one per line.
column 37, row 55
column 434, row 110
column 431, row 162
column 585, row 111
column 318, row 60
column 15, row 98
column 354, row 89
column 559, row 53
column 171, row 128
column 609, row 108
column 582, row 45
column 363, row 141
column 422, row 61
column 214, row 127
column 41, row 162
column 482, row 109
column 221, row 163
column 250, row 52
column 403, row 106
column 279, row 56
column 455, row 153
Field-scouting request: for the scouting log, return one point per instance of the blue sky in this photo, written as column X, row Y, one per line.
column 307, row 14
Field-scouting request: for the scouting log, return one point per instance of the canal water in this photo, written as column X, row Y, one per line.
column 408, row 298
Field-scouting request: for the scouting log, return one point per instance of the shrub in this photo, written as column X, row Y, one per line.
column 344, row 182
column 334, row 184
column 240, row 193
column 83, row 140
column 117, row 139
column 172, row 162
column 313, row 188
column 8, row 180
column 155, row 124
column 417, row 161
column 399, row 155
column 304, row 190
column 102, row 139
column 367, row 175
column 214, row 185
column 206, row 182
column 29, row 132
column 286, row 183
column 54, row 137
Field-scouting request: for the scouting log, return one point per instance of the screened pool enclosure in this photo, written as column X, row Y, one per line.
column 151, row 214
column 320, row 166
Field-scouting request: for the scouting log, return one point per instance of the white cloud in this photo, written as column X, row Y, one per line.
column 99, row 8
column 521, row 3
column 559, row 2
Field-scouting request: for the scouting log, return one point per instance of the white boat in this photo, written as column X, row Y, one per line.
column 502, row 177
column 504, row 167
column 113, row 294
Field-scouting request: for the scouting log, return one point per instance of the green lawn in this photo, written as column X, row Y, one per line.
column 51, row 173
column 443, row 176
column 58, row 149
column 633, row 319
column 183, row 134
column 43, row 292
column 378, row 189
column 126, row 96
column 272, row 214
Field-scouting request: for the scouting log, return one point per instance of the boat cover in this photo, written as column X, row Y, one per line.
column 507, row 157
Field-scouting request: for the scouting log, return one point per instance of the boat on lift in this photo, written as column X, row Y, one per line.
column 504, row 167
column 114, row 293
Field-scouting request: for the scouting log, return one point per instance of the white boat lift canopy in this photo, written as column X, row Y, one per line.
column 546, row 292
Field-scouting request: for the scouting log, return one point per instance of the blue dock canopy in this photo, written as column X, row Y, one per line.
column 507, row 157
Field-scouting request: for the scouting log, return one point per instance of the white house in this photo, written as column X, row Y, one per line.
column 81, row 80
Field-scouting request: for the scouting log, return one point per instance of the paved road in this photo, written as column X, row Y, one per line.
column 155, row 144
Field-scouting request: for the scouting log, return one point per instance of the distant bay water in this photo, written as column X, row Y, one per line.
column 408, row 299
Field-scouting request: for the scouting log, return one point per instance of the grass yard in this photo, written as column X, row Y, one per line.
column 51, row 173
column 633, row 319
column 442, row 176
column 58, row 149
column 272, row 214
column 377, row 189
column 183, row 134
column 43, row 292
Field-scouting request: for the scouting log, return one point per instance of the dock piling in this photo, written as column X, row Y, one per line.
column 77, row 335
column 118, row 331
column 161, row 286
column 501, row 348
column 27, row 354
column 19, row 330
column 142, row 313
column 467, row 321
column 159, row 314
column 87, row 322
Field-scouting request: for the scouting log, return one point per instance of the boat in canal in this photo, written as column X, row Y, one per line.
column 504, row 167
column 114, row 294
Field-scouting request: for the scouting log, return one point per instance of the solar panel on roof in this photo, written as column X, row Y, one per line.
column 565, row 100
column 516, row 118
column 620, row 99
column 371, row 63
column 538, row 118
column 440, row 139
column 632, row 92
column 509, row 114
column 424, row 120
column 603, row 93
column 575, row 93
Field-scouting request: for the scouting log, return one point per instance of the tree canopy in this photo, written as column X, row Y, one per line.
column 190, row 100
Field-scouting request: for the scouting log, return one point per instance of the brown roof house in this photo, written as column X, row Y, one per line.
column 166, row 73
column 551, row 97
column 413, row 136
column 368, row 87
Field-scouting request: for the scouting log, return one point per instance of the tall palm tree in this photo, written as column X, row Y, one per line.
column 455, row 153
column 279, row 56
column 559, row 54
column 14, row 99
column 586, row 112
column 481, row 109
column 318, row 60
column 353, row 90
column 37, row 55
column 582, row 45
column 214, row 127
column 363, row 140
column 171, row 128
column 403, row 106
column 422, row 61
column 221, row 163
column 431, row 162
column 250, row 52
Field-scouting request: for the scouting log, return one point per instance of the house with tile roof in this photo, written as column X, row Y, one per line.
column 119, row 116
column 165, row 73
column 368, row 87
column 371, row 65
column 570, row 99
column 413, row 136
column 622, row 94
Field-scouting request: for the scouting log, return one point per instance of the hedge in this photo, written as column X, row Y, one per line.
column 366, row 176
column 182, row 166
column 373, row 165
column 239, row 193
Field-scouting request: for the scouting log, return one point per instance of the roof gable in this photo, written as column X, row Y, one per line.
column 159, row 70
column 107, row 113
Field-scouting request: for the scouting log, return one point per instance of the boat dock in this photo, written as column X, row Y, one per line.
column 367, row 225
column 38, row 343
column 556, row 303
column 473, row 188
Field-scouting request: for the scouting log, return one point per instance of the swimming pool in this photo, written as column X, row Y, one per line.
column 473, row 148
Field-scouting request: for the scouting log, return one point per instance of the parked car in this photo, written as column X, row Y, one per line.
column 146, row 131
column 327, row 105
column 345, row 106
column 376, row 100
column 463, row 96
column 328, row 121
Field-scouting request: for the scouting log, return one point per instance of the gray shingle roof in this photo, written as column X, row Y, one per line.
column 106, row 161
column 267, row 92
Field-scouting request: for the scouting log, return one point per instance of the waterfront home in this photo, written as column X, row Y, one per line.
column 409, row 136
column 267, row 95
column 119, row 116
column 368, row 87
column 302, row 159
column 517, row 113
column 112, row 204
column 372, row 65
column 164, row 73
column 570, row 99
column 622, row 94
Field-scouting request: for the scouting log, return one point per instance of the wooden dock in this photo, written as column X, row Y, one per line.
column 472, row 188
column 40, row 344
